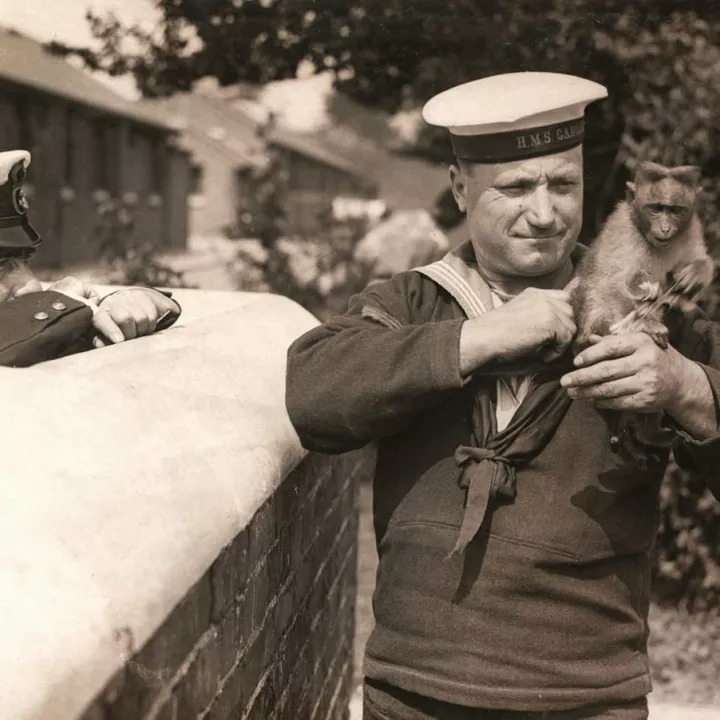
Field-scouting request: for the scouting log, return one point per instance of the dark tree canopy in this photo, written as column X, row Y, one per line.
column 383, row 51
column 658, row 58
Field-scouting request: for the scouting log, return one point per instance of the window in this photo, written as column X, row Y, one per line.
column 158, row 167
column 70, row 149
column 23, row 115
column 17, row 127
column 103, row 157
column 197, row 177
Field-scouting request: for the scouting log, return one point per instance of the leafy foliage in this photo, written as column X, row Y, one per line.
column 685, row 653
column 126, row 258
column 660, row 60
column 687, row 559
column 317, row 267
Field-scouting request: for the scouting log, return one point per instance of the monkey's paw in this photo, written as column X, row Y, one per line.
column 649, row 291
column 659, row 333
column 691, row 279
column 637, row 445
column 634, row 323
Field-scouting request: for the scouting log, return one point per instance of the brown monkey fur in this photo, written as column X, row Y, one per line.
column 652, row 243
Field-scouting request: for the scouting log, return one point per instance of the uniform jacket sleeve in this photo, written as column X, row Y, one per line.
column 40, row 326
column 364, row 375
column 701, row 342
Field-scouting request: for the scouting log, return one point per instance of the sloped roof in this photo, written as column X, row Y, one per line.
column 215, row 124
column 363, row 137
column 404, row 182
column 407, row 183
column 215, row 120
column 26, row 62
column 312, row 147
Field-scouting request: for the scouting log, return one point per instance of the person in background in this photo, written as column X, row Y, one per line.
column 514, row 544
column 39, row 324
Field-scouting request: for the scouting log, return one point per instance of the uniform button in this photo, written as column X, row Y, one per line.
column 41, row 316
column 59, row 306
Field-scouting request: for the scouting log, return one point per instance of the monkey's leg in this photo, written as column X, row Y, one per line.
column 649, row 430
column 639, row 438
column 621, row 440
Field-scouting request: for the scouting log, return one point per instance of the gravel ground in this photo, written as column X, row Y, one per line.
column 685, row 656
column 684, row 649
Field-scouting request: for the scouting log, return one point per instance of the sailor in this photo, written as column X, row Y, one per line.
column 513, row 543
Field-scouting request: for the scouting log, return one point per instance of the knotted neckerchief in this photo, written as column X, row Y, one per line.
column 488, row 466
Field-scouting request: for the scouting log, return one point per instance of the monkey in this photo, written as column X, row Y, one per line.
column 652, row 241
column 649, row 255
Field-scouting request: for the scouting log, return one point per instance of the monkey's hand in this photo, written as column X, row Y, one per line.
column 642, row 288
column 690, row 280
column 647, row 318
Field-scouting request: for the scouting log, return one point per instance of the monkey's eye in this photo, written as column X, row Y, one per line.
column 677, row 209
column 655, row 208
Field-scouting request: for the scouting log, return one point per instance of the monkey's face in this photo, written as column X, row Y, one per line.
column 662, row 207
column 524, row 217
column 661, row 224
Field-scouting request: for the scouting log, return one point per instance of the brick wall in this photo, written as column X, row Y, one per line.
column 267, row 632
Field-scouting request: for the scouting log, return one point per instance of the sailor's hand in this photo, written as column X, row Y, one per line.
column 628, row 372
column 102, row 322
column 133, row 312
column 534, row 324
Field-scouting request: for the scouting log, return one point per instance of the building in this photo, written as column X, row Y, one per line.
column 230, row 136
column 87, row 142
column 225, row 146
column 316, row 176
column 363, row 137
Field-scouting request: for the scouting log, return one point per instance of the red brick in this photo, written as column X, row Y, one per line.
column 282, row 603
column 262, row 533
column 156, row 663
column 229, row 574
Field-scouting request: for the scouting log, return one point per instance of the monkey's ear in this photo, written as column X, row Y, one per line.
column 687, row 174
column 646, row 171
column 631, row 190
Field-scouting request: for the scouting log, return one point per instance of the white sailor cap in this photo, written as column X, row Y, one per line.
column 514, row 116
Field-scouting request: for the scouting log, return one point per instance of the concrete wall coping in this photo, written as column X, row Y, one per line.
column 125, row 471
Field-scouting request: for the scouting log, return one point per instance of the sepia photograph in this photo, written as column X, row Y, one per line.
column 360, row 359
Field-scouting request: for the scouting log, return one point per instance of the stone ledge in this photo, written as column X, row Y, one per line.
column 126, row 471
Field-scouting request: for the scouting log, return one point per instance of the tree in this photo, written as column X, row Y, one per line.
column 317, row 268
column 126, row 257
column 394, row 54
